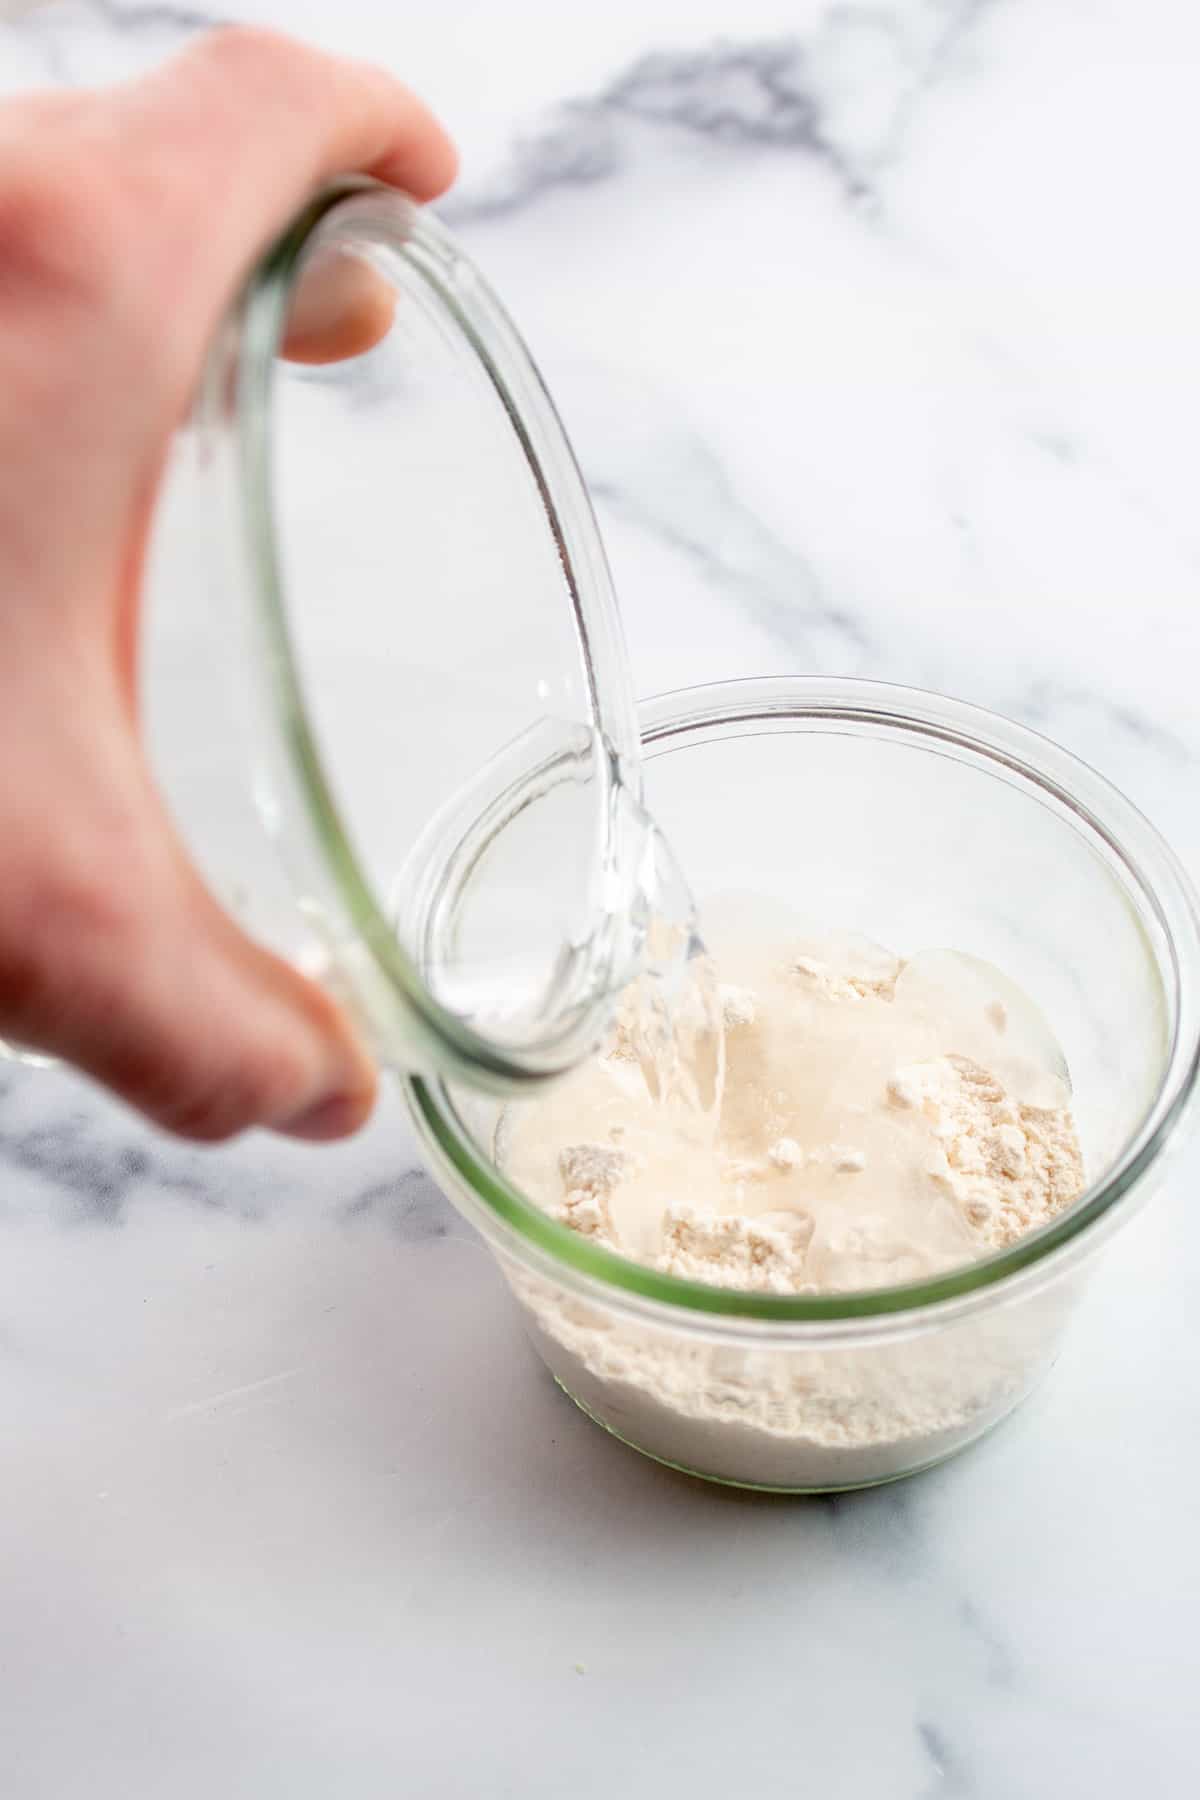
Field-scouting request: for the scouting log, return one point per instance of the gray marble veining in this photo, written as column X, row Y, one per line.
column 753, row 95
column 874, row 326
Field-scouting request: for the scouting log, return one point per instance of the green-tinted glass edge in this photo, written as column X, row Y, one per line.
column 264, row 310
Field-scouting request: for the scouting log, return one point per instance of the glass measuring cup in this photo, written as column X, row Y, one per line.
column 384, row 676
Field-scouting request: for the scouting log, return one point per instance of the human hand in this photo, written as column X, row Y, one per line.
column 128, row 216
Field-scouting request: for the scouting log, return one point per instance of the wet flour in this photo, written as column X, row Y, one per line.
column 878, row 1122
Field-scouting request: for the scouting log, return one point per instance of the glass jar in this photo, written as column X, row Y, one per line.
column 383, row 673
column 919, row 822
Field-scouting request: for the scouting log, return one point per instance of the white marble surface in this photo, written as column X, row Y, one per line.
column 876, row 328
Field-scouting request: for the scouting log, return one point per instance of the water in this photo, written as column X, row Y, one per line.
column 836, row 1099
column 543, row 893
column 671, row 1013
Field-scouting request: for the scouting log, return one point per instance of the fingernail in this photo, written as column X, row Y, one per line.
column 334, row 1117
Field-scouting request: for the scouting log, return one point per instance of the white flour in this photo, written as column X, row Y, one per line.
column 880, row 1122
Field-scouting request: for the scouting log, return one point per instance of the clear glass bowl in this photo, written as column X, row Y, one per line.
column 384, row 681
column 922, row 823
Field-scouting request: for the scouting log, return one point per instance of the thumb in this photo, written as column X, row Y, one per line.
column 115, row 957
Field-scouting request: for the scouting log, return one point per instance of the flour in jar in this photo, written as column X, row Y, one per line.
column 879, row 1120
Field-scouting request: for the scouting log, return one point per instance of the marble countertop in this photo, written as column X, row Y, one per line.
column 908, row 293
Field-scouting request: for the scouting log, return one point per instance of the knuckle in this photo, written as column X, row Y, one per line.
column 66, row 942
column 253, row 1091
column 205, row 1116
column 55, row 229
column 240, row 50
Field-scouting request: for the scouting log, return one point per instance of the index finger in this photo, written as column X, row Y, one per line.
column 270, row 107
column 228, row 139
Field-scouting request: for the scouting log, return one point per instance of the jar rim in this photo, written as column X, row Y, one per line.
column 1093, row 803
